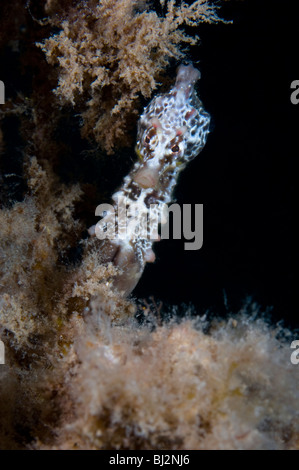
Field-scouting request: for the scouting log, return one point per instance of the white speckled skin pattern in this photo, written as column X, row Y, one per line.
column 172, row 130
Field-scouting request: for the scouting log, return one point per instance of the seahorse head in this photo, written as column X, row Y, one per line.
column 172, row 129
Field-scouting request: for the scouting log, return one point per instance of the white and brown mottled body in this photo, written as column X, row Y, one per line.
column 172, row 130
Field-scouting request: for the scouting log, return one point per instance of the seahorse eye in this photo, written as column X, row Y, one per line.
column 147, row 139
column 175, row 149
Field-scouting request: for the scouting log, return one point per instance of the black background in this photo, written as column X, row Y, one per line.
column 245, row 176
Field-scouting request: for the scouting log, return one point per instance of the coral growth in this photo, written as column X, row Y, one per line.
column 110, row 53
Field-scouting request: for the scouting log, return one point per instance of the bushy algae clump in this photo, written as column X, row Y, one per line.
column 110, row 53
column 179, row 388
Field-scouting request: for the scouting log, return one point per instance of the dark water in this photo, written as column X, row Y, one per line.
column 245, row 176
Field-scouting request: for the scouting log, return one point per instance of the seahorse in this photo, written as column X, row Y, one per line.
column 172, row 130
